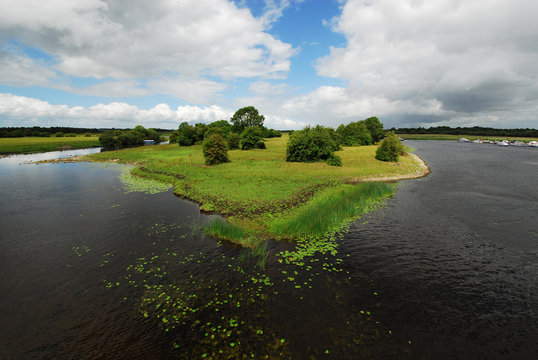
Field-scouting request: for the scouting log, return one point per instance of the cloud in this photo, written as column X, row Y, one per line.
column 440, row 60
column 24, row 111
column 125, row 40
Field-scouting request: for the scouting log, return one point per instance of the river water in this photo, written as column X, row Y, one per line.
column 447, row 269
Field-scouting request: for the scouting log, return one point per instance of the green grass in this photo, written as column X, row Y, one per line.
column 456, row 137
column 258, row 187
column 25, row 145
column 330, row 209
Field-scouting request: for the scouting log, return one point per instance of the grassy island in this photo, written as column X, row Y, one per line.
column 35, row 144
column 262, row 195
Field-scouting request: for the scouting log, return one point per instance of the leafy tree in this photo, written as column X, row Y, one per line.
column 390, row 149
column 354, row 134
column 199, row 132
column 233, row 141
column 223, row 125
column 109, row 138
column 252, row 138
column 246, row 117
column 59, row 134
column 375, row 127
column 215, row 150
column 186, row 135
column 311, row 144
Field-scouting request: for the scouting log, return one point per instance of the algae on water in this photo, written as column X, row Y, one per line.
column 133, row 183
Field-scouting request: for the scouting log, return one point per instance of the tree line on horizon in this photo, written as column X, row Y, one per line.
column 13, row 132
column 474, row 130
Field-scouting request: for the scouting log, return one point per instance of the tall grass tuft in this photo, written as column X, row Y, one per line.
column 332, row 209
column 226, row 231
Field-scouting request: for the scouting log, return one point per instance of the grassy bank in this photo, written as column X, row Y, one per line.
column 25, row 145
column 261, row 194
column 456, row 137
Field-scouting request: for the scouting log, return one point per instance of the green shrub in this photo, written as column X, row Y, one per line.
column 215, row 150
column 390, row 149
column 87, row 134
column 59, row 134
column 252, row 138
column 334, row 160
column 173, row 136
column 109, row 138
column 233, row 141
column 354, row 134
column 186, row 135
column 375, row 127
column 311, row 144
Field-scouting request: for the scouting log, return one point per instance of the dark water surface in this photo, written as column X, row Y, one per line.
column 448, row 269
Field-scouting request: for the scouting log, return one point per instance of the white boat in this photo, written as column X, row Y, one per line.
column 533, row 143
column 463, row 140
column 478, row 141
column 503, row 143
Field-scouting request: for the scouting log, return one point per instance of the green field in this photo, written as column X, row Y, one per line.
column 258, row 188
column 25, row 145
column 456, row 137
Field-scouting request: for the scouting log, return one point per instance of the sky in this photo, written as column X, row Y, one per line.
column 120, row 63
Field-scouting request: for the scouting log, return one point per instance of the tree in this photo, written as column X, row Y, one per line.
column 375, row 127
column 186, row 135
column 223, row 125
column 215, row 150
column 109, row 139
column 246, row 117
column 311, row 144
column 233, row 141
column 390, row 149
column 354, row 134
column 252, row 138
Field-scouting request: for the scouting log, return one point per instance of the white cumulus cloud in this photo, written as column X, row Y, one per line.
column 136, row 39
column 24, row 111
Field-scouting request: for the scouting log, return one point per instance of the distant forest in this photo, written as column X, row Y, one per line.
column 475, row 130
column 51, row 131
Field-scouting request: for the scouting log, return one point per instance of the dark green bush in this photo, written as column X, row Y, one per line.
column 186, row 135
column 233, row 141
column 311, row 144
column 375, row 127
column 334, row 160
column 59, row 134
column 354, row 134
column 215, row 150
column 109, row 138
column 390, row 149
column 252, row 138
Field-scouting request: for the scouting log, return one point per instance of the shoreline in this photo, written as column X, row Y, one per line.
column 422, row 172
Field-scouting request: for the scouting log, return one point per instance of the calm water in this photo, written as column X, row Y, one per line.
column 447, row 269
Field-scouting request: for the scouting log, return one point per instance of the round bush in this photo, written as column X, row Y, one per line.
column 252, row 138
column 390, row 149
column 233, row 141
column 215, row 150
column 334, row 160
column 311, row 144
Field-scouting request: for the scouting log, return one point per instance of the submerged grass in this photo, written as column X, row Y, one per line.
column 25, row 145
column 260, row 193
